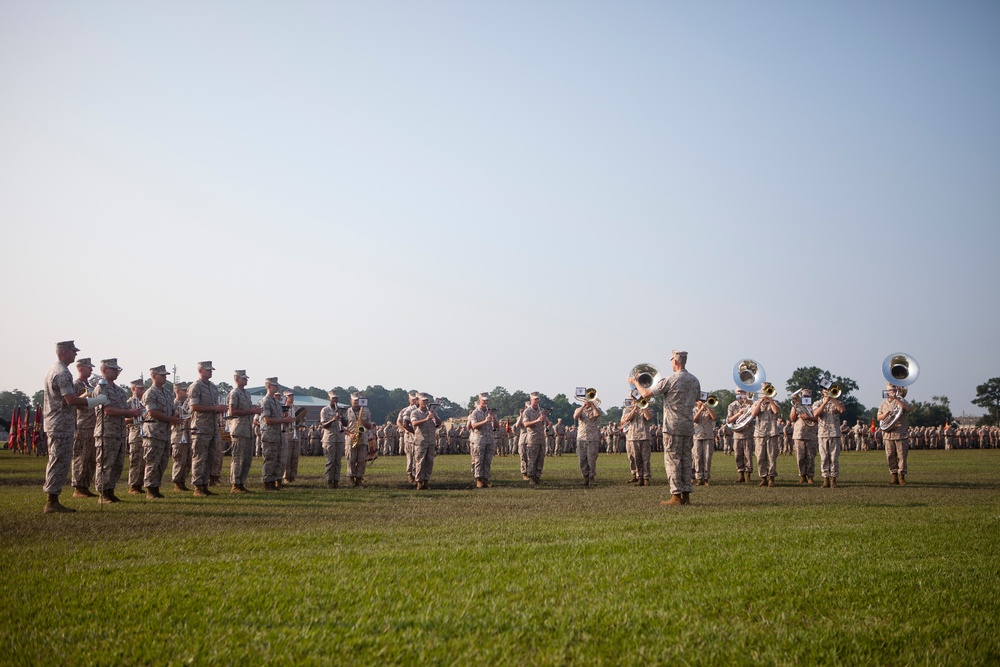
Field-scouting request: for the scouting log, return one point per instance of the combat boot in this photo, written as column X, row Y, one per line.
column 802, row 479
column 633, row 480
column 82, row 492
column 685, row 498
column 704, row 482
column 135, row 490
column 525, row 477
column 235, row 489
column 770, row 481
column 113, row 498
column 487, row 482
column 479, row 482
column 213, row 480
column 675, row 499
column 826, row 482
column 742, row 479
column 763, row 482
column 902, row 479
column 895, row 478
column 410, row 478
column 809, row 480
column 53, row 506
column 104, row 499
column 153, row 493
column 269, row 486
column 833, row 482
column 200, row 491
column 180, row 487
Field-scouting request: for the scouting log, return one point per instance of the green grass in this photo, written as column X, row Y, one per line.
column 863, row 574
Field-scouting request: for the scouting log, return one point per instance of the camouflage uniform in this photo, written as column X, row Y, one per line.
column 560, row 430
column 482, row 445
column 637, row 445
column 828, row 432
column 804, row 433
column 60, row 425
column 404, row 418
column 766, row 439
column 333, row 443
column 680, row 392
column 358, row 447
column 742, row 440
column 241, row 430
column 534, row 444
column 588, row 441
column 206, row 443
column 109, row 438
column 704, row 444
column 136, row 464
column 154, row 443
column 270, row 440
column 84, row 456
column 180, row 444
column 423, row 445
column 895, row 440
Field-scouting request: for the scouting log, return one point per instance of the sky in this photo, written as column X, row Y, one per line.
column 451, row 196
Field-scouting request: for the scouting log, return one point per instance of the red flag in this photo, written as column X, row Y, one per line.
column 873, row 425
column 36, row 432
column 21, row 416
column 12, row 436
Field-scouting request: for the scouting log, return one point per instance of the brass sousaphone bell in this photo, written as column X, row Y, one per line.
column 646, row 375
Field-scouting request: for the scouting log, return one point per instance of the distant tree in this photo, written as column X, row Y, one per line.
column 223, row 388
column 988, row 397
column 38, row 397
column 11, row 400
column 933, row 413
column 315, row 392
column 611, row 415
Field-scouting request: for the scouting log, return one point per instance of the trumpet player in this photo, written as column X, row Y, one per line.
column 680, row 392
column 359, row 422
column 482, row 425
column 635, row 424
column 896, row 438
column 704, row 442
column 588, row 439
column 333, row 422
column 241, row 414
column 535, row 420
column 742, row 440
column 425, row 422
column 828, row 413
column 765, row 433
column 804, row 435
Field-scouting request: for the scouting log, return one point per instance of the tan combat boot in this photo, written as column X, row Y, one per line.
column 135, row 490
column 479, row 482
column 53, row 506
column 685, row 498
column 802, row 479
column 82, row 492
column 770, row 481
column 675, row 499
column 152, row 493
column 902, row 479
column 895, row 478
column 833, row 482
column 826, row 482
column 201, row 491
column 763, row 481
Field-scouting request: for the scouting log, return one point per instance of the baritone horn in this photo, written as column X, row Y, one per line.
column 645, row 375
column 749, row 375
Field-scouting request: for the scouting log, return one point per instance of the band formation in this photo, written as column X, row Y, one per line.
column 89, row 422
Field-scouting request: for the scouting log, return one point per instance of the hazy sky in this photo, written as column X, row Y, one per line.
column 539, row 195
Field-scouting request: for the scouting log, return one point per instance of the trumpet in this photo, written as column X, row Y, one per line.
column 588, row 395
column 767, row 390
column 749, row 375
column 711, row 400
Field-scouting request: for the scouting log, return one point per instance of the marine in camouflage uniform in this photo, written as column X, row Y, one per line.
column 704, row 443
column 180, row 438
column 804, row 433
column 560, row 430
column 109, row 432
column 206, row 442
column 482, row 424
column 136, row 427
column 241, row 414
column 272, row 419
column 742, row 440
column 406, row 433
column 895, row 439
column 424, row 422
column 290, row 442
column 635, row 423
column 333, row 421
column 357, row 444
column 765, row 434
column 59, row 418
column 84, row 457
column 680, row 392
column 535, row 421
column 828, row 410
column 159, row 406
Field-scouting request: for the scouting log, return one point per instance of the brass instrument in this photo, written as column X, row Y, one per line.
column 749, row 375
column 711, row 400
column 900, row 370
column 832, row 388
column 646, row 375
column 768, row 390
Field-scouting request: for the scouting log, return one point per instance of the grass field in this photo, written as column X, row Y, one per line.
column 863, row 574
